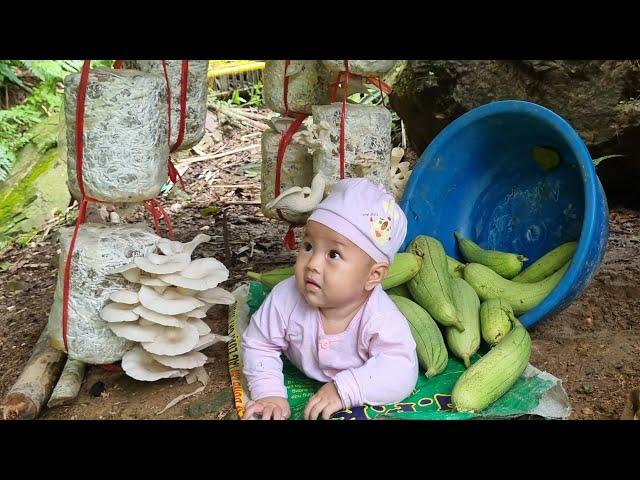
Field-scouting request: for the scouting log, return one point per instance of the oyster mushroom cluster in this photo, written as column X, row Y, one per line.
column 163, row 312
column 399, row 173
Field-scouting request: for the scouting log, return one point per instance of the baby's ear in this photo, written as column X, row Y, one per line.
column 376, row 275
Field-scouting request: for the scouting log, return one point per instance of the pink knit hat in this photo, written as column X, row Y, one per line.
column 365, row 214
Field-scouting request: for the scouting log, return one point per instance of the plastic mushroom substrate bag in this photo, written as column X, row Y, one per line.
column 296, row 171
column 367, row 143
column 196, row 95
column 308, row 85
column 125, row 135
column 99, row 250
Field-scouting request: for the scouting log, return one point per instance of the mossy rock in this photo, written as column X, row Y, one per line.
column 34, row 191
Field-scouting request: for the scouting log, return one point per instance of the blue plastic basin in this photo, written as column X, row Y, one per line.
column 478, row 177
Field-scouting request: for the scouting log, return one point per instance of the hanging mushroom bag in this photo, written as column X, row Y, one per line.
column 118, row 150
column 344, row 140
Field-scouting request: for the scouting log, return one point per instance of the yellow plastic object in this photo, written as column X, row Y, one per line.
column 224, row 76
column 218, row 68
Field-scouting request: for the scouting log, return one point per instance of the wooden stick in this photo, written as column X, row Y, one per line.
column 252, row 134
column 225, row 236
column 34, row 385
column 242, row 202
column 218, row 155
column 242, row 118
column 240, row 185
column 251, row 115
column 69, row 384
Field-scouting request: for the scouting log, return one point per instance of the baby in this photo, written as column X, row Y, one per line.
column 332, row 319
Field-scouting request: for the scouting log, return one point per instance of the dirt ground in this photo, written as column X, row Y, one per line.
column 592, row 346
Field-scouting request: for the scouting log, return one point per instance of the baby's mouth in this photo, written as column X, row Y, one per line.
column 311, row 285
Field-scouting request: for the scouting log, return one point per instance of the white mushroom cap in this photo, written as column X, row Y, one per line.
column 200, row 312
column 136, row 332
column 217, row 295
column 159, row 318
column 200, row 325
column 118, row 312
column 123, row 268
column 124, row 296
column 169, row 247
column 186, row 360
column 203, row 267
column 200, row 274
column 173, row 341
column 161, row 264
column 140, row 365
column 169, row 303
column 159, row 290
column 188, row 291
column 132, row 275
column 206, row 341
column 152, row 281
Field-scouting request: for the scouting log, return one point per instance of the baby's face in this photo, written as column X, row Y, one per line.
column 330, row 270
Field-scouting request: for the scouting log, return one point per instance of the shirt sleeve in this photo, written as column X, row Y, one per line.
column 391, row 372
column 262, row 344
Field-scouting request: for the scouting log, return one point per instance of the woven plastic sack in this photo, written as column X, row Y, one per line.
column 125, row 135
column 196, row 95
column 99, row 249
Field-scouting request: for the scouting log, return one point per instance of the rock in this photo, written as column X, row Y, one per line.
column 35, row 189
column 587, row 411
column 596, row 97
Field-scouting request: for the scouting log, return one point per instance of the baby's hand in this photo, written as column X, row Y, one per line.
column 326, row 401
column 268, row 408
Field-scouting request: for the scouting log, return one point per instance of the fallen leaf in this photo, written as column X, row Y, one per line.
column 207, row 212
column 179, row 398
column 596, row 161
column 250, row 170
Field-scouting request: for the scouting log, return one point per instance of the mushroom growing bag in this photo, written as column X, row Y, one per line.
column 367, row 143
column 297, row 169
column 98, row 251
column 360, row 67
column 308, row 85
column 125, row 135
column 196, row 100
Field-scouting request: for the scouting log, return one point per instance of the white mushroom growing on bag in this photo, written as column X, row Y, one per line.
column 164, row 312
column 399, row 173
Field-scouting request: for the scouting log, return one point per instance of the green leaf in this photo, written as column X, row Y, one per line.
column 207, row 212
column 251, row 170
column 7, row 72
column 596, row 161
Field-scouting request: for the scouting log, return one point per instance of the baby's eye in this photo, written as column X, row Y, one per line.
column 307, row 247
column 334, row 254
